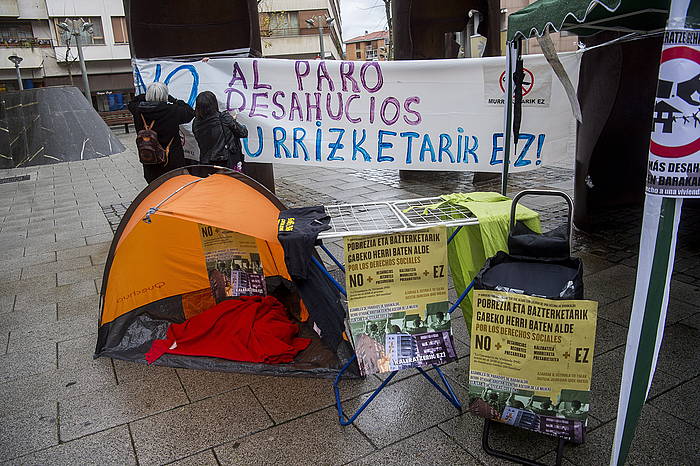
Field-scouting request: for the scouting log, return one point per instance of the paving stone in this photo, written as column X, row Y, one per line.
column 466, row 431
column 612, row 283
column 678, row 354
column 606, row 379
column 111, row 406
column 93, row 249
column 314, row 439
column 205, row 458
column 676, row 401
column 91, row 231
column 403, row 409
column 55, row 385
column 101, row 238
column 4, row 339
column 47, row 281
column 76, row 356
column 173, row 434
column 49, row 332
column 692, row 321
column 110, row 447
column 430, row 447
column 285, row 398
column 7, row 302
column 87, row 307
column 608, row 336
column 77, row 275
column 26, row 430
column 59, row 266
column 620, row 311
column 56, row 294
column 55, row 246
column 134, row 372
column 685, row 292
column 659, row 439
column 29, row 318
column 26, row 261
column 16, row 365
column 204, row 384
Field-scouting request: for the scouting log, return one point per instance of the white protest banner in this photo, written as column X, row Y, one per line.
column 425, row 115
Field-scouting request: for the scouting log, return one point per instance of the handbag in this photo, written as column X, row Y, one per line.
column 225, row 155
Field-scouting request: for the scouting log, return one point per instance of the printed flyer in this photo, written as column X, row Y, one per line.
column 233, row 263
column 397, row 299
column 531, row 360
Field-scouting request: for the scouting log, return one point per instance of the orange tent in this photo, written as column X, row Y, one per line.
column 156, row 272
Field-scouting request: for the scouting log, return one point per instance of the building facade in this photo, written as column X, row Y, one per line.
column 30, row 29
column 563, row 41
column 289, row 28
column 372, row 46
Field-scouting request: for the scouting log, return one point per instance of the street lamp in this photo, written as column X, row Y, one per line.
column 75, row 27
column 17, row 60
column 317, row 20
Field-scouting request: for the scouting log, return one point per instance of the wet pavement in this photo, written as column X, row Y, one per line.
column 59, row 406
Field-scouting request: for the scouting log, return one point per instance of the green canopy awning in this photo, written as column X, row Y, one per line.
column 587, row 17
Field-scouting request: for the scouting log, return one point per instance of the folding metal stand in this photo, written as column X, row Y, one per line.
column 384, row 218
column 515, row 458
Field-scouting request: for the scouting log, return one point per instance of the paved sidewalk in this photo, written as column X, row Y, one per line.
column 59, row 406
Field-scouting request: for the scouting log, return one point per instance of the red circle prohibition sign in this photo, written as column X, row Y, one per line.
column 675, row 53
column 527, row 86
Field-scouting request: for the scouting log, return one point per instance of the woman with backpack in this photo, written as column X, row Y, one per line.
column 157, row 118
column 218, row 134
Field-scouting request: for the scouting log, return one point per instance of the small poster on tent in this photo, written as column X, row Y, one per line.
column 531, row 360
column 397, row 300
column 233, row 263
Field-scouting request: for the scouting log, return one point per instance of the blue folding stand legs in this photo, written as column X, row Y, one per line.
column 446, row 391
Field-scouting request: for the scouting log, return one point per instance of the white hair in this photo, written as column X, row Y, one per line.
column 157, row 92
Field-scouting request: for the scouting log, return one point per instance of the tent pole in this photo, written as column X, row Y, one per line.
column 657, row 249
column 508, row 114
column 659, row 233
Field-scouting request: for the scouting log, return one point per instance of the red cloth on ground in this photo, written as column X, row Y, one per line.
column 251, row 329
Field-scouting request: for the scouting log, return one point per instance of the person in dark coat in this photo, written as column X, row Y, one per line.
column 168, row 113
column 218, row 134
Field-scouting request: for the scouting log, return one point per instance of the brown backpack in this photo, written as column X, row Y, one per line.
column 150, row 150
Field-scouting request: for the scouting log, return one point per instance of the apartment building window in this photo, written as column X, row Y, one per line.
column 16, row 31
column 358, row 53
column 119, row 29
column 91, row 37
column 279, row 23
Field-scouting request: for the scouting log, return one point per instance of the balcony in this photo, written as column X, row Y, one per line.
column 32, row 57
column 31, row 42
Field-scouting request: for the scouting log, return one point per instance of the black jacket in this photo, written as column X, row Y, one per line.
column 168, row 117
column 214, row 132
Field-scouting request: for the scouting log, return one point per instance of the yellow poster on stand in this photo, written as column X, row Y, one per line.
column 397, row 299
column 531, row 360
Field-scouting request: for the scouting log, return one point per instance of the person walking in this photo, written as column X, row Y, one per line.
column 160, row 113
column 218, row 134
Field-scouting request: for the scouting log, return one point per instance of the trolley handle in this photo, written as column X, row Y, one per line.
column 542, row 192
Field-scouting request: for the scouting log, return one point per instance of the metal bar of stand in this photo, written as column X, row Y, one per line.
column 449, row 394
column 330, row 254
column 515, row 458
column 342, row 417
column 325, row 272
column 454, row 233
column 461, row 297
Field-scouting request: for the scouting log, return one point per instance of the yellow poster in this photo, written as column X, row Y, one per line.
column 531, row 360
column 397, row 299
column 233, row 263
